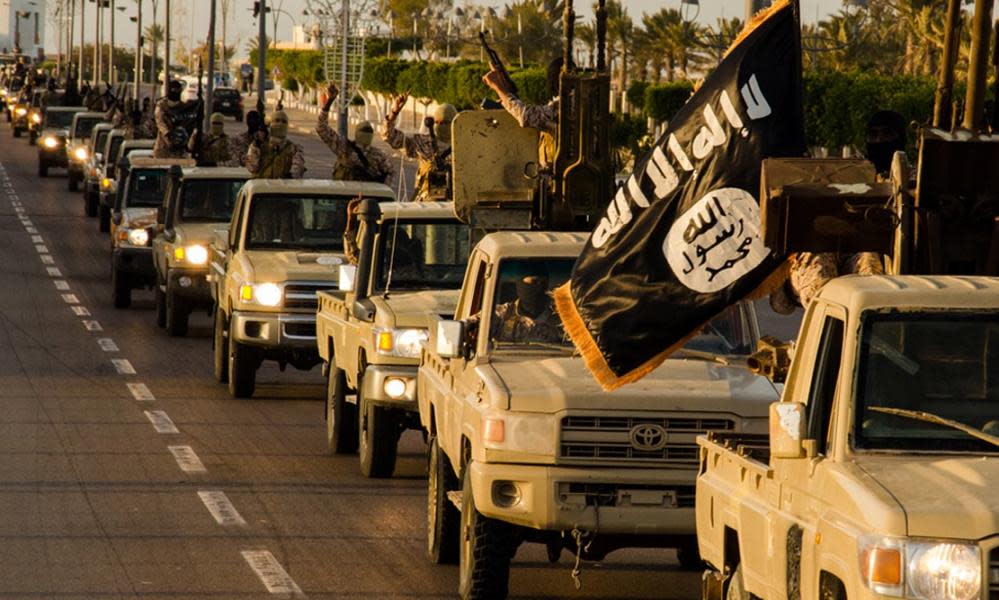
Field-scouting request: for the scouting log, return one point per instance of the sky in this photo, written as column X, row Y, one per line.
column 191, row 17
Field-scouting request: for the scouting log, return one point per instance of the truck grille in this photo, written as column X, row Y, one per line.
column 303, row 295
column 615, row 439
column 607, row 494
column 994, row 574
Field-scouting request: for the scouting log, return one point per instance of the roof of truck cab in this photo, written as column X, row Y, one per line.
column 216, row 173
column 857, row 292
column 138, row 143
column 72, row 109
column 89, row 115
column 318, row 186
column 136, row 159
column 531, row 244
column 417, row 210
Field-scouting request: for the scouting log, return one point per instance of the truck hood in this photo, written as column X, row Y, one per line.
column 197, row 233
column 292, row 265
column 948, row 497
column 552, row 384
column 135, row 217
column 414, row 309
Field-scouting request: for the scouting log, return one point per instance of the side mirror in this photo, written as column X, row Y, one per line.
column 347, row 277
column 221, row 240
column 787, row 430
column 450, row 339
column 169, row 235
column 116, row 217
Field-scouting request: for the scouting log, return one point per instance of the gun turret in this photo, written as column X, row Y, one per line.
column 772, row 359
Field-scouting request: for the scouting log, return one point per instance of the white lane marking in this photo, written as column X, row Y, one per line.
column 53, row 271
column 42, row 248
column 47, row 259
column 19, row 210
column 107, row 345
column 221, row 508
column 61, row 284
column 70, row 299
column 80, row 311
column 140, row 391
column 37, row 239
column 187, row 460
column 123, row 366
column 161, row 422
column 31, row 230
column 93, row 326
column 271, row 573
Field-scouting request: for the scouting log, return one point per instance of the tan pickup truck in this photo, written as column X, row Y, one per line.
column 526, row 447
column 283, row 244
column 878, row 478
column 411, row 266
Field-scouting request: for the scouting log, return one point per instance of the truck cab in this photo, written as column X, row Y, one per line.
column 92, row 173
column 369, row 333
column 116, row 169
column 285, row 242
column 878, row 476
column 526, row 447
column 77, row 146
column 199, row 201
column 55, row 131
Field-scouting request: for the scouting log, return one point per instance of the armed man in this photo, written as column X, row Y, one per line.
column 357, row 159
column 276, row 157
column 51, row 96
column 171, row 140
column 215, row 147
column 239, row 144
column 543, row 117
column 433, row 180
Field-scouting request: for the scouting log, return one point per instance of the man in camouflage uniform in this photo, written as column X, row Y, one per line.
column 215, row 146
column 240, row 144
column 51, row 96
column 529, row 318
column 357, row 159
column 543, row 117
column 277, row 157
column 433, row 150
column 167, row 145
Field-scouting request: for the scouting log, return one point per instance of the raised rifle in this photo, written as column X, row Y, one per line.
column 496, row 63
column 199, row 122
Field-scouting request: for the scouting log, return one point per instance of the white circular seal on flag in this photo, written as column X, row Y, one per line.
column 716, row 241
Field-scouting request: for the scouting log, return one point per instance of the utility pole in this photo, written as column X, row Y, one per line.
column 166, row 54
column 138, row 52
column 83, row 33
column 70, row 32
column 111, row 70
column 210, row 100
column 344, row 44
column 98, row 44
column 261, row 55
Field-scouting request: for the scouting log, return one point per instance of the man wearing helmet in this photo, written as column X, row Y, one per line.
column 214, row 146
column 357, row 159
column 171, row 137
column 276, row 157
column 433, row 181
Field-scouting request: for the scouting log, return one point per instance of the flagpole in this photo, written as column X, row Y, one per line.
column 799, row 52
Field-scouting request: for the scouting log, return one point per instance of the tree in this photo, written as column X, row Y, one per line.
column 716, row 40
column 539, row 35
column 155, row 35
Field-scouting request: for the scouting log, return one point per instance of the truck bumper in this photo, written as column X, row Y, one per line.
column 191, row 285
column 53, row 158
column 654, row 502
column 275, row 331
column 375, row 389
column 136, row 264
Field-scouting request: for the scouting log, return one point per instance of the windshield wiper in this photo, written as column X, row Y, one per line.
column 919, row 415
column 545, row 345
column 702, row 355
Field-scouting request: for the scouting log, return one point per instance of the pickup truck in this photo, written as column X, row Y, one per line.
column 198, row 201
column 77, row 146
column 92, row 171
column 526, row 447
column 116, row 168
column 369, row 334
column 55, row 130
column 133, row 226
column 283, row 244
column 878, row 476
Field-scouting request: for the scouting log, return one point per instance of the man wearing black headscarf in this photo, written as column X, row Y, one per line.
column 885, row 135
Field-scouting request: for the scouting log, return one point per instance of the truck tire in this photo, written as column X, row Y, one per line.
column 104, row 219
column 443, row 519
column 177, row 315
column 160, row 298
column 736, row 587
column 90, row 204
column 43, row 168
column 486, row 547
column 242, row 369
column 341, row 416
column 121, row 293
column 378, row 434
column 219, row 347
column 32, row 139
column 73, row 182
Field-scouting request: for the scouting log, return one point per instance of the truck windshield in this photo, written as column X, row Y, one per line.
column 209, row 200
column 102, row 136
column 85, row 126
column 423, row 255
column 146, row 187
column 925, row 376
column 112, row 150
column 296, row 222
column 58, row 119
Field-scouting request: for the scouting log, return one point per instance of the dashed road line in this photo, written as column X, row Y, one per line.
column 221, row 508
column 42, row 248
column 53, row 271
column 37, row 239
column 93, row 326
column 187, row 460
column 271, row 573
column 80, row 311
column 47, row 259
column 61, row 284
column 123, row 366
column 107, row 345
column 140, row 391
column 70, row 299
column 161, row 421
column 31, row 230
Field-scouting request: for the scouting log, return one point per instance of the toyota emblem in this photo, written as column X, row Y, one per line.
column 648, row 437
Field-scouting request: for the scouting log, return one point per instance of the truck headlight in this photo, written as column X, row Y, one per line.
column 405, row 343
column 80, row 153
column 36, row 118
column 138, row 237
column 194, row 254
column 921, row 569
column 520, row 432
column 264, row 294
column 21, row 111
column 50, row 142
column 106, row 183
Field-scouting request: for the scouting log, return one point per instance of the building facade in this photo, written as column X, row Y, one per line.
column 22, row 25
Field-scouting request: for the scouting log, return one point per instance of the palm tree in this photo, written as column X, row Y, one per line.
column 716, row 40
column 155, row 34
column 620, row 32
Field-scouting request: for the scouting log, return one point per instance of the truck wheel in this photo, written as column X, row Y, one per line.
column 17, row 132
column 104, row 219
column 43, row 168
column 242, row 369
column 73, row 183
column 736, row 588
column 160, row 297
column 486, row 548
column 341, row 416
column 32, row 139
column 689, row 556
column 177, row 315
column 121, row 293
column 378, row 433
column 219, row 347
column 90, row 204
column 443, row 519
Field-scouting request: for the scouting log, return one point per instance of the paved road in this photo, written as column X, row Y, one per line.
column 116, row 446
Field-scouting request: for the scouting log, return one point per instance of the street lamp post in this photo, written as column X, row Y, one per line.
column 98, row 42
column 138, row 51
column 261, row 55
column 166, row 50
column 83, row 33
column 391, row 24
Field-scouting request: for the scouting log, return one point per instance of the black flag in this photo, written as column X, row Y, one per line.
column 681, row 240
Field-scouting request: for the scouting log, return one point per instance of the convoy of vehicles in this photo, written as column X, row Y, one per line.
column 285, row 242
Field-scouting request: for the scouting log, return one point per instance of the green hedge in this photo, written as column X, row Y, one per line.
column 663, row 100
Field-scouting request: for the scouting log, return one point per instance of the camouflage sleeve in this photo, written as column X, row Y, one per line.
column 237, row 151
column 382, row 163
column 253, row 159
column 298, row 162
column 330, row 137
column 863, row 263
column 543, row 118
column 809, row 272
column 162, row 126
